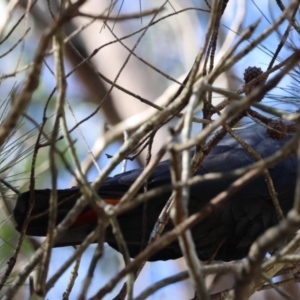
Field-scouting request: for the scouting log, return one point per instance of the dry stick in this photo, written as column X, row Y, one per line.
column 210, row 32
column 16, row 25
column 30, row 204
column 284, row 294
column 258, row 118
column 220, row 11
column 124, row 17
column 74, row 274
column 97, row 255
column 181, row 209
column 289, row 270
column 129, row 290
column 148, row 137
column 82, row 179
column 233, row 95
column 150, row 290
column 272, row 267
column 267, row 241
column 282, row 41
column 15, row 45
column 282, row 7
column 162, row 219
column 145, row 188
column 279, row 284
column 78, row 252
column 6, row 16
column 211, row 56
column 215, row 203
column 246, row 34
column 222, row 268
column 139, row 181
column 149, row 103
column 61, row 89
column 283, row 255
column 13, row 74
column 7, row 184
column 124, row 250
column 273, row 111
column 30, row 85
column 25, row 24
column 201, row 96
column 143, row 60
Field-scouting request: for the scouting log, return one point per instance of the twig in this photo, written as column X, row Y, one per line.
column 61, row 83
column 72, row 279
column 181, row 207
column 124, row 17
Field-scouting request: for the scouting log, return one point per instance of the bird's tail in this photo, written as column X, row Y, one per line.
column 38, row 224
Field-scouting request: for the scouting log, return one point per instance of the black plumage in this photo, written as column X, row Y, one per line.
column 228, row 232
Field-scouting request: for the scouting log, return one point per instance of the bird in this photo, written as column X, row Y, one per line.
column 227, row 234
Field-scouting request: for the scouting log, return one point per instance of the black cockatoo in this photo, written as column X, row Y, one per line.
column 228, row 233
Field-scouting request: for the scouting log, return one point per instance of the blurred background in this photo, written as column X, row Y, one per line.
column 147, row 63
